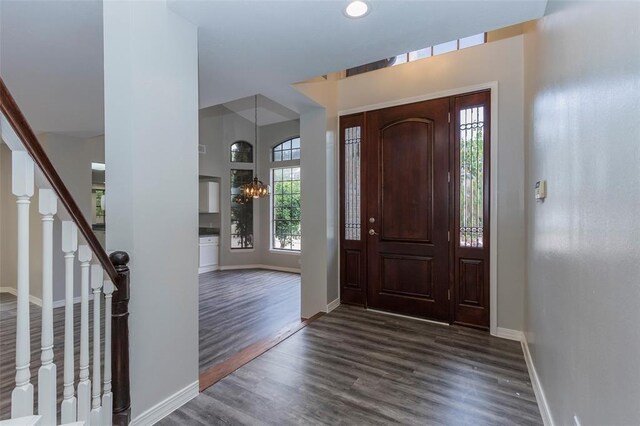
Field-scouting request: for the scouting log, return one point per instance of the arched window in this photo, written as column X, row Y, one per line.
column 241, row 152
column 287, row 150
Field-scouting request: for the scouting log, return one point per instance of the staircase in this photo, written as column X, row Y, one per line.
column 101, row 396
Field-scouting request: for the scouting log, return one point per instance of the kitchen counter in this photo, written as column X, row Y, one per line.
column 208, row 231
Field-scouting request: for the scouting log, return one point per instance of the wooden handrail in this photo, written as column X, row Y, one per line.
column 12, row 112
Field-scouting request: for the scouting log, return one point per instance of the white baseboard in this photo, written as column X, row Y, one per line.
column 507, row 333
column 168, row 406
column 332, row 305
column 537, row 386
column 11, row 290
column 38, row 301
column 257, row 266
column 60, row 303
column 205, row 269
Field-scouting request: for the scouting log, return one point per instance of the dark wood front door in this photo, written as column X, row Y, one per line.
column 414, row 209
column 406, row 222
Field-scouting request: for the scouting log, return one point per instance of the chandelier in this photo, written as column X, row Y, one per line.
column 255, row 188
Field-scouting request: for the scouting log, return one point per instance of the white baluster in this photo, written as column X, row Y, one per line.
column 22, row 187
column 97, row 277
column 107, row 396
column 69, row 247
column 84, row 385
column 47, row 372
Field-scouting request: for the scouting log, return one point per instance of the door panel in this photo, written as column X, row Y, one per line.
column 398, row 275
column 407, row 209
column 400, row 143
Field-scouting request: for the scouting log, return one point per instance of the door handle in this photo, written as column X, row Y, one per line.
column 372, row 232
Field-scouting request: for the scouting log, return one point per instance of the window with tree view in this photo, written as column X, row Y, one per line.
column 285, row 228
column 471, row 176
column 241, row 211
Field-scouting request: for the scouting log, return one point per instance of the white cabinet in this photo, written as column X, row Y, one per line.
column 208, row 249
column 209, row 197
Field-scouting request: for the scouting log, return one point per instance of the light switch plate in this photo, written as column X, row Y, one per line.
column 541, row 190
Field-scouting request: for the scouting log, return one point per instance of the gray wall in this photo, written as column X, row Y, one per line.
column 270, row 136
column 582, row 68
column 72, row 158
column 219, row 129
column 8, row 232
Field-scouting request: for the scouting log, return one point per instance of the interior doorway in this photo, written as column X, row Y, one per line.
column 415, row 209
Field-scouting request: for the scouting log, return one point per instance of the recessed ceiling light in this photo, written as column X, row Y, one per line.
column 357, row 9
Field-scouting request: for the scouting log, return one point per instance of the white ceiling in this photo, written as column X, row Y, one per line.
column 51, row 51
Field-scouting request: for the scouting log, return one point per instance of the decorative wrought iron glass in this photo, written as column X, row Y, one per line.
column 241, row 211
column 471, row 176
column 352, row 183
column 241, row 152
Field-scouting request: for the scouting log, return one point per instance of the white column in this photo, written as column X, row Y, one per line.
column 145, row 38
column 69, row 247
column 97, row 276
column 22, row 175
column 107, row 396
column 84, row 385
column 48, row 206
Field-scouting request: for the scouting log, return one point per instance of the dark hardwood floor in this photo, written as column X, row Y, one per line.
column 242, row 307
column 360, row 367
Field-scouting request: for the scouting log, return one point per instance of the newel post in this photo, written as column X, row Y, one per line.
column 120, row 341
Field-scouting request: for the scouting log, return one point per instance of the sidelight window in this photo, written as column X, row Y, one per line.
column 472, row 134
column 352, row 184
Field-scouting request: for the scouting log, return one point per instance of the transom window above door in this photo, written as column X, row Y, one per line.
column 287, row 150
column 241, row 152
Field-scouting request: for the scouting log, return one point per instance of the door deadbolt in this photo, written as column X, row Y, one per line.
column 372, row 220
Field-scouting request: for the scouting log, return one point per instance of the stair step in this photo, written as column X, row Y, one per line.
column 22, row 421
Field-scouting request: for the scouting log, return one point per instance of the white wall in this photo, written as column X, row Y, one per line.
column 319, row 203
column 499, row 61
column 582, row 68
column 151, row 131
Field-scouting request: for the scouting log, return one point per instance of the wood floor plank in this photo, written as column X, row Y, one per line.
column 239, row 308
column 354, row 366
